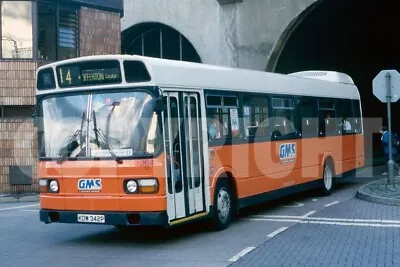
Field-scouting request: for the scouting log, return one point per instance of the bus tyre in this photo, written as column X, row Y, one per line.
column 223, row 205
column 327, row 180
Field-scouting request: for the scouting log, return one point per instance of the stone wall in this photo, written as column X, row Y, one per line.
column 100, row 32
column 231, row 33
column 197, row 20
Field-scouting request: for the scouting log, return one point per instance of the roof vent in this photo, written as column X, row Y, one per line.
column 331, row 76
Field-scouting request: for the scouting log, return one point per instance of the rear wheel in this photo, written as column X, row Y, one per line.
column 223, row 205
column 327, row 179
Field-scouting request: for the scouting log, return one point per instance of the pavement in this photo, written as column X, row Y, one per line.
column 354, row 232
column 16, row 199
column 381, row 192
column 306, row 229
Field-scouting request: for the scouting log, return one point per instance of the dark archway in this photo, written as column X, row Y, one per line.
column 356, row 37
column 158, row 40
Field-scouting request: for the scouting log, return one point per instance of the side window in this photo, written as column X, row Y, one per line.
column 356, row 120
column 309, row 122
column 345, row 115
column 223, row 117
column 283, row 118
column 327, row 117
column 255, row 116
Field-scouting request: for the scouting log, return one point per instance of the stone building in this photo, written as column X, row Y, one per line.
column 355, row 37
column 34, row 33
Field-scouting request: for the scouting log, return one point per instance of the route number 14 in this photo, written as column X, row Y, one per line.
column 67, row 76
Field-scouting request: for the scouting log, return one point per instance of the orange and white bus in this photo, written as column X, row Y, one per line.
column 130, row 140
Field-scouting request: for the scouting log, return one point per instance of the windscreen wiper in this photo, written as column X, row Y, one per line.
column 99, row 133
column 68, row 148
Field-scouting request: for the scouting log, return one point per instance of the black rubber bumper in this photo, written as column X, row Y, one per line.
column 111, row 218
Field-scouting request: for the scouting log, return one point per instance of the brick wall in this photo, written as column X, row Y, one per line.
column 18, row 143
column 100, row 32
column 17, row 82
column 18, row 147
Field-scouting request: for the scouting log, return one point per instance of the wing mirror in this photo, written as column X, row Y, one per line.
column 159, row 104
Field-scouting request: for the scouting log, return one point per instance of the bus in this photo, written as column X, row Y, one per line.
column 127, row 140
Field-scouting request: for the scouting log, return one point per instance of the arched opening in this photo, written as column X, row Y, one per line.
column 355, row 37
column 158, row 40
column 284, row 38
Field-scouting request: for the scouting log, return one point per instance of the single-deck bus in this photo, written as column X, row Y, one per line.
column 129, row 140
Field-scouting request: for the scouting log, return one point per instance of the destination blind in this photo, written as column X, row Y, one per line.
column 89, row 73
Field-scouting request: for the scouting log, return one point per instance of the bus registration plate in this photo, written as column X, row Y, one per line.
column 91, row 218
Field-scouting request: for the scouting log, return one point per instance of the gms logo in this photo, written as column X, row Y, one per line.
column 89, row 185
column 287, row 152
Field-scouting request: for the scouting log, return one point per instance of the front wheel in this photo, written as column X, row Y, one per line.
column 327, row 179
column 223, row 206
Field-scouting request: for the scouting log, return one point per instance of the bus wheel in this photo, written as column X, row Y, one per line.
column 327, row 180
column 223, row 205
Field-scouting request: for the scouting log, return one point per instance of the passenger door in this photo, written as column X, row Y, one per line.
column 183, row 139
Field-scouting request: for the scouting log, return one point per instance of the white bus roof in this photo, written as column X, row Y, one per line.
column 180, row 74
column 332, row 76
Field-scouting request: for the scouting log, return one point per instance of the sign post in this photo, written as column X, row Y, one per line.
column 389, row 115
column 386, row 87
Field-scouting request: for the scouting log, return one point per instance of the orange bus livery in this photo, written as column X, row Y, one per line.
column 131, row 140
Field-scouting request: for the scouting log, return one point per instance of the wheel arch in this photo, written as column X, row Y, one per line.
column 224, row 173
column 328, row 159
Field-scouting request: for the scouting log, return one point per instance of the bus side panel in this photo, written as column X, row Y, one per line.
column 360, row 150
column 353, row 147
column 259, row 167
column 308, row 159
column 353, row 154
column 347, row 152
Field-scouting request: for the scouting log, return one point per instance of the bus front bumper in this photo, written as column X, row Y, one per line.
column 104, row 218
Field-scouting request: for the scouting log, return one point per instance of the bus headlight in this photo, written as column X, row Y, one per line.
column 53, row 186
column 145, row 186
column 148, row 186
column 131, row 186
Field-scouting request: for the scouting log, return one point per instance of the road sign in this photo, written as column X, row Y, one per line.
column 386, row 87
column 380, row 84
